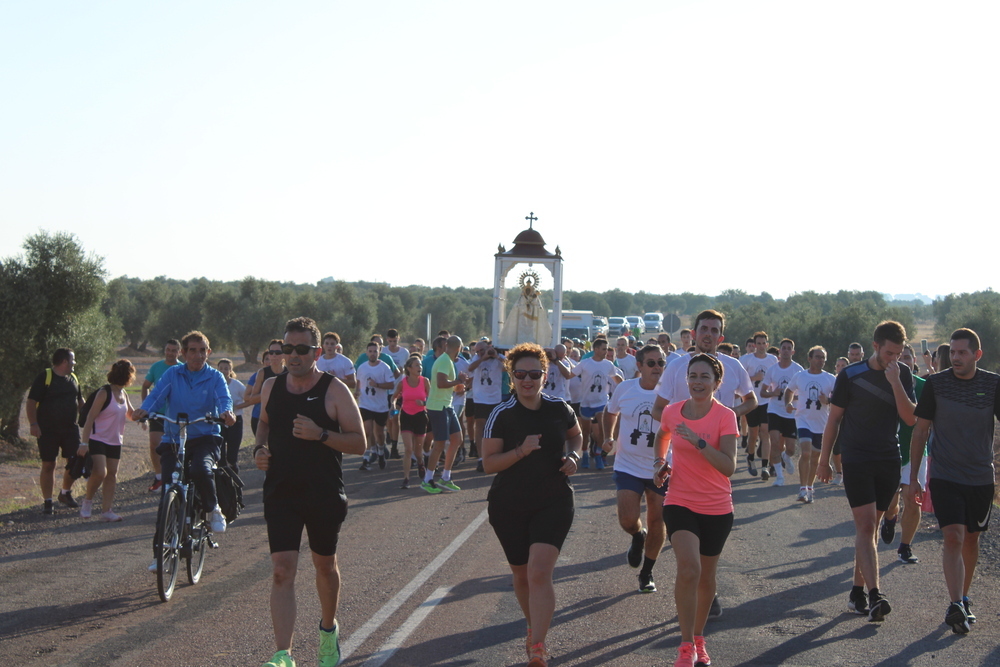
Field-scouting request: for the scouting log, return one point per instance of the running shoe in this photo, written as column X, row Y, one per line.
column 381, row 459
column 685, row 655
column 585, row 460
column 85, row 508
column 803, row 496
column 110, row 517
column 460, row 455
column 701, row 653
column 838, row 479
column 857, row 603
column 716, row 610
column 538, row 656
column 66, row 498
column 789, row 463
column 430, row 487
column 479, row 466
column 365, row 465
column 905, row 555
column 598, row 461
column 646, row 583
column 155, row 486
column 217, row 520
column 280, row 659
column 449, row 485
column 634, row 553
column 405, row 484
column 770, row 469
column 888, row 530
column 779, row 480
column 394, row 453
column 967, row 603
column 47, row 507
column 329, row 646
column 957, row 618
column 751, row 468
column 473, row 452
column 878, row 608
column 765, row 474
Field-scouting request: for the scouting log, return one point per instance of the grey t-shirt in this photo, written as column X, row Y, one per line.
column 962, row 412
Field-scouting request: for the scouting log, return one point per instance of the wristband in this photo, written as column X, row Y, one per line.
column 659, row 462
column 257, row 449
column 573, row 455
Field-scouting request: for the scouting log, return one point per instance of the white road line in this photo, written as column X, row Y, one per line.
column 406, row 629
column 389, row 608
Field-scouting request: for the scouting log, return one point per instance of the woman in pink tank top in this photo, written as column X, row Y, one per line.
column 102, row 438
column 413, row 422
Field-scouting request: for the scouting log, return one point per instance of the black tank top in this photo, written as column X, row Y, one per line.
column 302, row 467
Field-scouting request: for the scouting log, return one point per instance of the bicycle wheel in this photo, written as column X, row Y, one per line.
column 167, row 542
column 199, row 545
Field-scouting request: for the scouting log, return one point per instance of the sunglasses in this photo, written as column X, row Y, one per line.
column 653, row 364
column 301, row 349
column 521, row 374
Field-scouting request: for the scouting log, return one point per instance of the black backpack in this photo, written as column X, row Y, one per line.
column 229, row 491
column 82, row 419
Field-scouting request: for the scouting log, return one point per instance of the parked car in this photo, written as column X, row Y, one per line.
column 635, row 323
column 653, row 322
column 600, row 325
column 615, row 325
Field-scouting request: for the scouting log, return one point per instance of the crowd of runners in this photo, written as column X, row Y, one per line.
column 675, row 421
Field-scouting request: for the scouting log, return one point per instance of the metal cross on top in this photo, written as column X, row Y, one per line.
column 531, row 219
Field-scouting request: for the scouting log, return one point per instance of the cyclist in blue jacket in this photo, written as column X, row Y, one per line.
column 196, row 389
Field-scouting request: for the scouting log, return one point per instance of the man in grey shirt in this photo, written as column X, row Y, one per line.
column 961, row 404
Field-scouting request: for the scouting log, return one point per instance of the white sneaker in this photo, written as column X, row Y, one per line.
column 803, row 496
column 110, row 517
column 838, row 479
column 779, row 480
column 809, row 497
column 218, row 521
column 789, row 464
column 85, row 508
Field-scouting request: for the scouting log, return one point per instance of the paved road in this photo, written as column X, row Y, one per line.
column 425, row 583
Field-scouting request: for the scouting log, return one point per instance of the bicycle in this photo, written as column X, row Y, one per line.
column 181, row 528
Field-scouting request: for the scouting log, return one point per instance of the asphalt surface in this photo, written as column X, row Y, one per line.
column 425, row 583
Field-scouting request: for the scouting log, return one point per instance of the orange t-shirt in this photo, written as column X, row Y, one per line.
column 694, row 483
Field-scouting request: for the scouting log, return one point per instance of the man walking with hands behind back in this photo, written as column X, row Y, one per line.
column 308, row 421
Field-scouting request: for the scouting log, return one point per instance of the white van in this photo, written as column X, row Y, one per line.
column 653, row 322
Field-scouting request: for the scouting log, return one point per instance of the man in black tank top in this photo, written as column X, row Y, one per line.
column 308, row 420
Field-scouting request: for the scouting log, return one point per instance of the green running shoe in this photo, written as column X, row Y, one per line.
column 280, row 659
column 329, row 646
column 430, row 487
column 448, row 484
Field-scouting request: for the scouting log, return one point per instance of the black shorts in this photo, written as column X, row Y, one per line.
column 380, row 418
column 287, row 515
column 757, row 416
column 783, row 425
column 98, row 448
column 712, row 530
column 871, row 482
column 51, row 443
column 156, row 426
column 518, row 529
column 962, row 503
column 470, row 407
column 576, row 409
column 483, row 410
column 417, row 424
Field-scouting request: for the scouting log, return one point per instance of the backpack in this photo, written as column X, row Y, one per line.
column 82, row 419
column 229, row 491
column 48, row 380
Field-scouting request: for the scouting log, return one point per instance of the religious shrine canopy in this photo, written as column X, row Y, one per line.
column 527, row 320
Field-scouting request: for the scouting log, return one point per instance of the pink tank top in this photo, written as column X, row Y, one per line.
column 109, row 426
column 413, row 394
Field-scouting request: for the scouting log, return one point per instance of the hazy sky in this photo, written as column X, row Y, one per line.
column 817, row 146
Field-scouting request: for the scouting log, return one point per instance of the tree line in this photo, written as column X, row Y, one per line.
column 56, row 294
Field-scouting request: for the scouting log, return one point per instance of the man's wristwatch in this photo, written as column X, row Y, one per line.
column 324, row 436
column 701, row 443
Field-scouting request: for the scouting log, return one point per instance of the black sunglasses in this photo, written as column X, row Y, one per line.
column 521, row 374
column 301, row 349
column 658, row 362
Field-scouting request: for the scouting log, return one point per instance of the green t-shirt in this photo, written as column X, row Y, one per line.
column 437, row 398
column 906, row 431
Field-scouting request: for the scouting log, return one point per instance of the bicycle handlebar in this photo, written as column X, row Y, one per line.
column 207, row 418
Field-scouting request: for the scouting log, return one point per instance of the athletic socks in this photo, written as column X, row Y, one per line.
column 857, row 590
column 763, row 463
column 429, row 475
column 446, row 476
column 750, row 457
column 744, row 442
column 647, row 565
